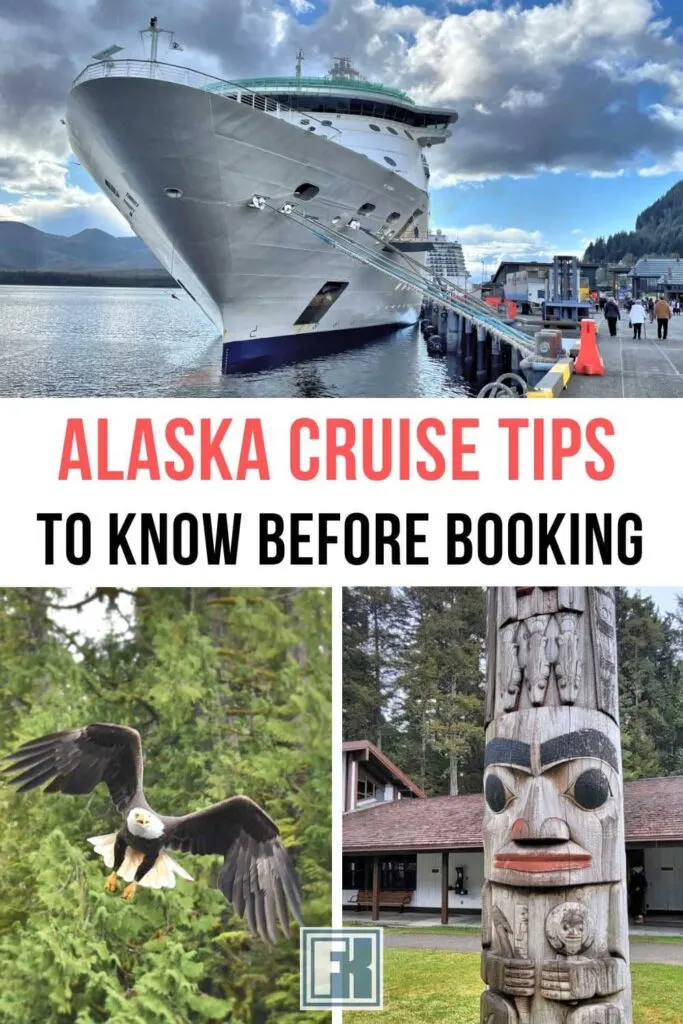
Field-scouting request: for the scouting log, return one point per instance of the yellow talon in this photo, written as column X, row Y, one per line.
column 128, row 893
column 112, row 883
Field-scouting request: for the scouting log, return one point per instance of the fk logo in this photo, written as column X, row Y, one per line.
column 341, row 967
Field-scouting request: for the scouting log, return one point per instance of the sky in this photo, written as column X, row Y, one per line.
column 571, row 111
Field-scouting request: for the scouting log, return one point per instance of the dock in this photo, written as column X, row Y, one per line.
column 635, row 369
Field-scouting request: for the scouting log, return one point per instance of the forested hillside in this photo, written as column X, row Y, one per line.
column 230, row 690
column 658, row 232
column 414, row 682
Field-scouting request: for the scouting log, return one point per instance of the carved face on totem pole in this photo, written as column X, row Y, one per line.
column 553, row 802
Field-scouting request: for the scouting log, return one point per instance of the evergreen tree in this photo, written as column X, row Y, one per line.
column 231, row 692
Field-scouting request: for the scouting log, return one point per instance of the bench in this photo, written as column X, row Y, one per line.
column 396, row 898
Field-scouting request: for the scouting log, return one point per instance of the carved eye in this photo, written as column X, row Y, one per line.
column 496, row 794
column 591, row 789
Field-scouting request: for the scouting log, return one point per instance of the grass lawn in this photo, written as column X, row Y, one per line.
column 428, row 986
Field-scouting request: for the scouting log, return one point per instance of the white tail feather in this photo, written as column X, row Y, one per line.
column 161, row 876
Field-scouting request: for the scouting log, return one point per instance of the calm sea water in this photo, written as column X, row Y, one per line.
column 139, row 342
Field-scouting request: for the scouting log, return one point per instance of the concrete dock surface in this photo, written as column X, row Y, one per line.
column 648, row 368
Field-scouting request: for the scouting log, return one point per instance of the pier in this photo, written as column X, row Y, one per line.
column 635, row 369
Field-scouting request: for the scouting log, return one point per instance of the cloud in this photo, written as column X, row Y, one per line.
column 486, row 243
column 524, row 79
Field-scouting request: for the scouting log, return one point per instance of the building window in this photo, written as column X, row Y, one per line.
column 399, row 872
column 356, row 873
column 366, row 789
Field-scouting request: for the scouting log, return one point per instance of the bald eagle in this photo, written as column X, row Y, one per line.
column 257, row 874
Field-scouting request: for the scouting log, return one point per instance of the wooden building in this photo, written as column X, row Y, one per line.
column 432, row 847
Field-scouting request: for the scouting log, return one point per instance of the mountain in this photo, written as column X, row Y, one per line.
column 23, row 247
column 659, row 232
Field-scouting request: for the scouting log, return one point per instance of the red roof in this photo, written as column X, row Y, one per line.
column 653, row 811
column 370, row 749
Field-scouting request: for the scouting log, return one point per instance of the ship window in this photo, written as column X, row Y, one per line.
column 312, row 128
column 132, row 199
column 328, row 124
column 247, row 99
column 111, row 188
column 305, row 120
column 366, row 208
column 306, row 191
column 388, row 160
column 375, row 128
column 321, row 302
column 409, row 135
column 392, row 217
column 392, row 130
column 173, row 193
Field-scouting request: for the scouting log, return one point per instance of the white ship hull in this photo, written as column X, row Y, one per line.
column 253, row 272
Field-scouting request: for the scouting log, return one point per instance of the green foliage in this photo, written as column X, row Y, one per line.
column 430, row 702
column 231, row 692
column 424, row 645
column 659, row 232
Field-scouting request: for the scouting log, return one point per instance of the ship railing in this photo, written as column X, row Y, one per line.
column 179, row 75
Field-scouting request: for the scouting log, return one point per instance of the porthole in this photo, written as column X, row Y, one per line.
column 375, row 128
column 392, row 130
column 388, row 160
column 328, row 124
column 312, row 128
column 392, row 217
column 173, row 193
column 409, row 135
column 306, row 191
column 366, row 208
column 304, row 121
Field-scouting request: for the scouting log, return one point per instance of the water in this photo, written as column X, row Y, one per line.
column 139, row 342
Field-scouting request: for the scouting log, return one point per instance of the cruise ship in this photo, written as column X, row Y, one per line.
column 203, row 168
column 446, row 259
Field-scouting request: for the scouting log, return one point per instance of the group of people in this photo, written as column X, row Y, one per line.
column 659, row 310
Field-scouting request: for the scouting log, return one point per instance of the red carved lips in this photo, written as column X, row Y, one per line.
column 545, row 859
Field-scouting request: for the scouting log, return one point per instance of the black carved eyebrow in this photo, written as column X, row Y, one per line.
column 502, row 751
column 583, row 743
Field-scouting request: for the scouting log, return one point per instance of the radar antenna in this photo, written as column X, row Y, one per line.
column 300, row 58
column 154, row 32
column 344, row 69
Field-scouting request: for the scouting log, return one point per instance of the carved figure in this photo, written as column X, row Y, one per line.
column 554, row 924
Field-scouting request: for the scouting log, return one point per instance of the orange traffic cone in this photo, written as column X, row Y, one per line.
column 589, row 360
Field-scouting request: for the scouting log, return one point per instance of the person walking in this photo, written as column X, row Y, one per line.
column 612, row 314
column 637, row 319
column 663, row 315
column 651, row 308
column 637, row 888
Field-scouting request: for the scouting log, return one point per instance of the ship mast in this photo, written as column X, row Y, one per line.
column 300, row 58
column 154, row 32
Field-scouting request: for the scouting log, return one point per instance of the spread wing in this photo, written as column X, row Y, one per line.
column 77, row 760
column 257, row 876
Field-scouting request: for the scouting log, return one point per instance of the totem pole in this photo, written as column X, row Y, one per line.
column 554, row 919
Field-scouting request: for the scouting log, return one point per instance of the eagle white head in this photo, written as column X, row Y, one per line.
column 144, row 823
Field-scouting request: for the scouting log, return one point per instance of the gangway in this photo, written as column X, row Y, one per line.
column 412, row 274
